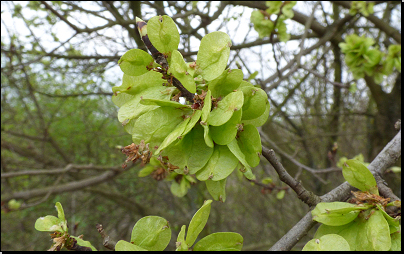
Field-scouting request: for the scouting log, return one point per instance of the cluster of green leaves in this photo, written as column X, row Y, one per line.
column 361, row 226
column 265, row 26
column 150, row 233
column 210, row 138
column 58, row 225
column 363, row 7
column 362, row 58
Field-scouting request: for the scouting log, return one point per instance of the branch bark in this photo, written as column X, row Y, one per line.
column 306, row 196
column 72, row 186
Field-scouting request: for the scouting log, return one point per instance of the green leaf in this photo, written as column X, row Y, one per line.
column 348, row 232
column 135, row 84
column 280, row 194
column 379, row 77
column 388, row 67
column 259, row 121
column 198, row 222
column 213, row 55
column 373, row 57
column 267, row 180
column 122, row 245
column 121, row 98
column 352, row 88
column 282, row 30
column 362, row 242
column 191, row 152
column 359, row 176
column 378, row 232
column 134, row 62
column 151, row 233
column 206, row 136
column 49, row 223
column 14, row 204
column 220, row 165
column 287, row 9
column 224, row 134
column 205, row 114
column 190, row 179
column 397, row 64
column 179, row 69
column 163, row 34
column 394, row 223
column 331, row 242
column 374, row 234
column 83, row 243
column 274, row 7
column 396, row 241
column 336, row 213
column 225, row 108
column 174, row 135
column 180, row 189
column 207, row 106
column 263, row 26
column 226, row 83
column 222, row 241
column 154, row 126
column 145, row 171
column 181, row 244
column 133, row 109
column 61, row 215
column 235, row 149
column 249, row 141
column 194, row 119
column 217, row 189
column 252, row 76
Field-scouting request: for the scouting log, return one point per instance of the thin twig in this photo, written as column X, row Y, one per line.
column 106, row 239
column 294, row 161
column 71, row 186
column 306, row 196
column 323, row 77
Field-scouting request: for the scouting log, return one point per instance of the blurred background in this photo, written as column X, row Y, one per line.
column 60, row 135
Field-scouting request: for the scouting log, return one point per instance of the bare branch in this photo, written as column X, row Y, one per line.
column 47, row 6
column 306, row 196
column 294, row 234
column 323, row 77
column 74, row 95
column 69, row 167
column 106, row 239
column 72, row 186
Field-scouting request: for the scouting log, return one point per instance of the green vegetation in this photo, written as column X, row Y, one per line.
column 207, row 126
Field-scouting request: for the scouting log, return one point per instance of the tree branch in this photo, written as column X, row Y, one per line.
column 106, row 239
column 306, row 196
column 294, row 234
column 72, row 186
column 385, row 27
column 388, row 156
column 69, row 167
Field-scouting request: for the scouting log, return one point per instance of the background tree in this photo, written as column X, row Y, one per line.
column 60, row 131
